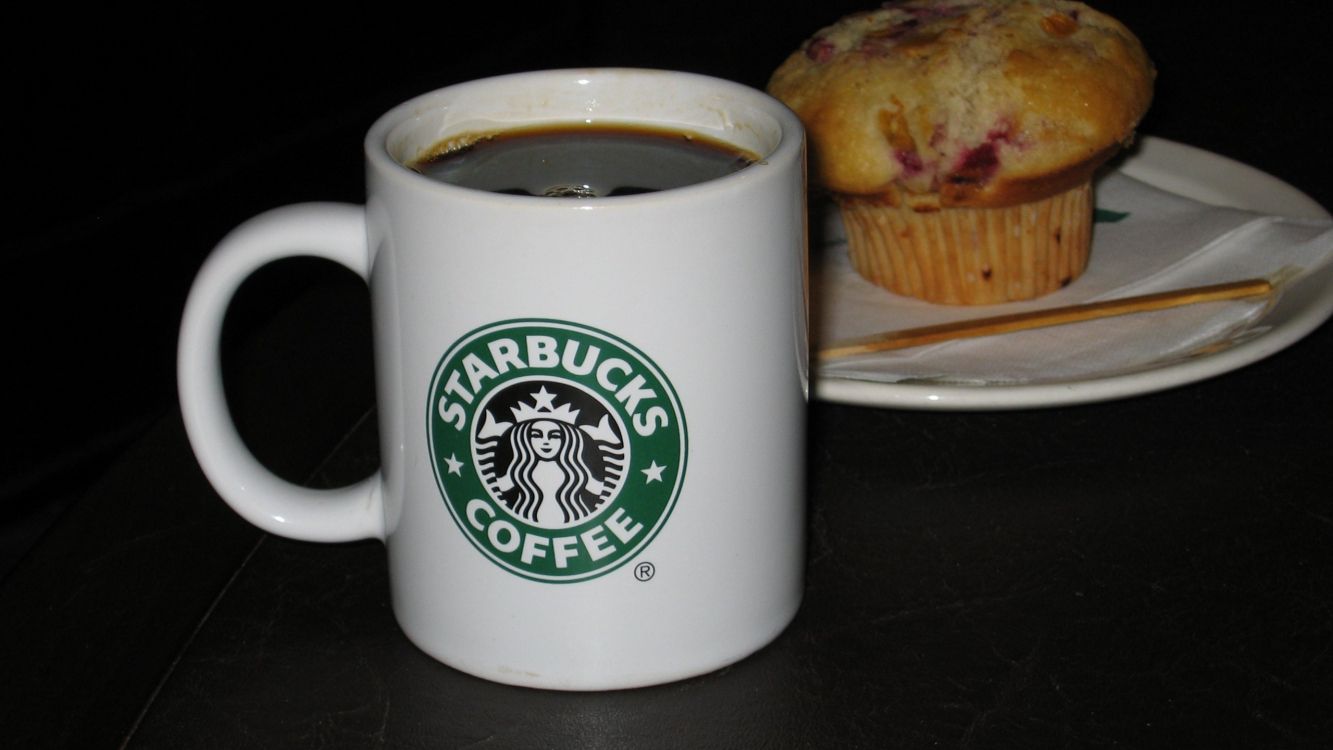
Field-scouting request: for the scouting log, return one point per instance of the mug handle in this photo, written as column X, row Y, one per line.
column 334, row 231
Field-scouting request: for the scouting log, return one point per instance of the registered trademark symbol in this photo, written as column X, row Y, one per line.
column 645, row 571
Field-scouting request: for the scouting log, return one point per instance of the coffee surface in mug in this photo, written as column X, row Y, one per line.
column 584, row 161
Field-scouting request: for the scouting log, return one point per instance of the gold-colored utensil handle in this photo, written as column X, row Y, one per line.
column 1043, row 318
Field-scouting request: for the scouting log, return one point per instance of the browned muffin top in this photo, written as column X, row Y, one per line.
column 950, row 103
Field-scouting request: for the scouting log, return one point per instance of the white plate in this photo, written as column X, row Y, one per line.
column 1186, row 171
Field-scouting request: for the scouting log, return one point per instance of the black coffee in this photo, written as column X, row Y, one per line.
column 583, row 161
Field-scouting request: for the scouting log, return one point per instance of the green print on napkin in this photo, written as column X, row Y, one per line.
column 1105, row 216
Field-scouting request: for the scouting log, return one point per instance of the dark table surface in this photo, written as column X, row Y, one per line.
column 1151, row 571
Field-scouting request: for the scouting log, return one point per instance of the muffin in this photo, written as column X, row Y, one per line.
column 960, row 139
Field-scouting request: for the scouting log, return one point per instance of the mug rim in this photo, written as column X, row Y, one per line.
column 789, row 146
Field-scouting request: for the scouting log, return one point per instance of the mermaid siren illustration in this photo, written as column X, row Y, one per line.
column 545, row 466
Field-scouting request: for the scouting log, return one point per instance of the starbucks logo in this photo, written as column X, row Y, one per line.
column 559, row 449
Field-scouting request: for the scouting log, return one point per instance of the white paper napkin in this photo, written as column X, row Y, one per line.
column 1165, row 241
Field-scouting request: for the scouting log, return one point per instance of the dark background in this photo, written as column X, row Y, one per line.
column 135, row 140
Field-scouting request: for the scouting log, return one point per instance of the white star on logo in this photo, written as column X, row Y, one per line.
column 455, row 466
column 544, row 399
column 654, row 472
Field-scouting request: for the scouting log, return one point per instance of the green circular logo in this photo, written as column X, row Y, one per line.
column 559, row 449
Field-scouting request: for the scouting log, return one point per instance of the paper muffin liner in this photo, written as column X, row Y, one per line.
column 971, row 256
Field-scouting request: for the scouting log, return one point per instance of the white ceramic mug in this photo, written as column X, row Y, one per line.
column 660, row 338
